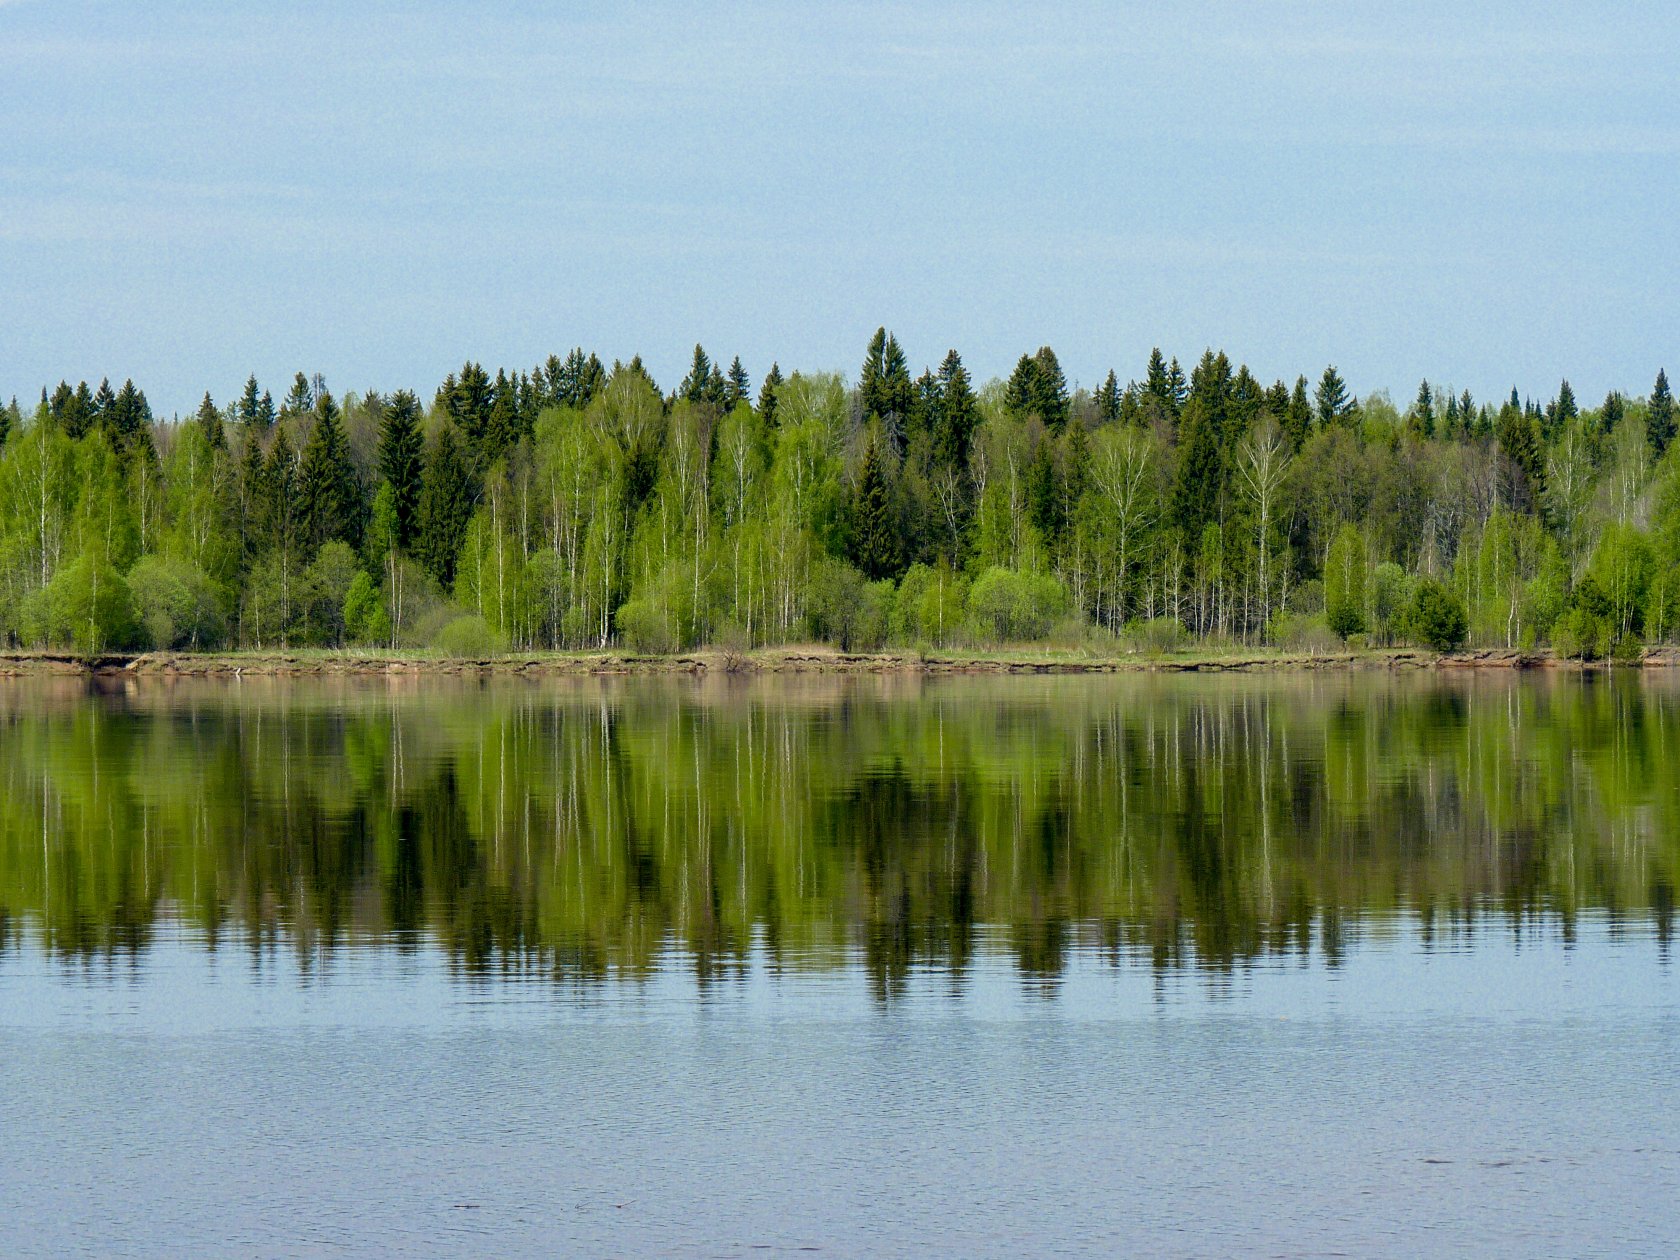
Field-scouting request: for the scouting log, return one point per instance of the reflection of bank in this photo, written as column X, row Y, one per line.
column 588, row 828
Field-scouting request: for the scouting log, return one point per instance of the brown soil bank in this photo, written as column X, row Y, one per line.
column 791, row 660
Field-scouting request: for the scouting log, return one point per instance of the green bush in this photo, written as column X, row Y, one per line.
column 176, row 603
column 1436, row 618
column 1581, row 635
column 469, row 637
column 1301, row 632
column 87, row 605
column 646, row 627
column 1162, row 634
column 365, row 618
column 1009, row 606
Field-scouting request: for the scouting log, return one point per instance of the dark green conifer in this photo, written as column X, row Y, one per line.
column 697, row 383
column 1298, row 422
column 1052, row 402
column 300, row 401
column 767, row 395
column 329, row 492
column 400, row 449
column 1334, row 404
column 446, row 504
column 737, row 386
column 1108, row 399
column 1660, row 420
column 957, row 415
column 1423, row 410
column 874, row 539
column 210, row 423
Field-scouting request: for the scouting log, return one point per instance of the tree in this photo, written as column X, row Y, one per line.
column 737, row 387
column 1108, row 399
column 329, row 492
column 1262, row 464
column 1436, row 617
column 210, row 423
column 400, row 461
column 875, row 547
column 1423, row 410
column 1344, row 583
column 445, row 508
column 767, row 395
column 696, row 387
column 1299, row 420
column 957, row 415
column 300, row 401
column 1332, row 399
column 1660, row 420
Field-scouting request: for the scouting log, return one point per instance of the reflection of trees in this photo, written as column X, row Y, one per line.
column 588, row 830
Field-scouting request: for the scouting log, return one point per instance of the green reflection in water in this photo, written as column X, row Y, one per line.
column 584, row 828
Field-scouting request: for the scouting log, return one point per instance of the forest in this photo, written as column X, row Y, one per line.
column 580, row 507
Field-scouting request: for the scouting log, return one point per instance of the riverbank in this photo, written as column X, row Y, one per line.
column 805, row 659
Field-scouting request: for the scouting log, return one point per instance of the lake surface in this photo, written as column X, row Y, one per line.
column 1306, row 965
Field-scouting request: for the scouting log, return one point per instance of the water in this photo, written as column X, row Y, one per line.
column 1340, row 965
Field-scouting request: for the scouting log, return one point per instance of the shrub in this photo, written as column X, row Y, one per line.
column 1581, row 635
column 646, row 627
column 1301, row 632
column 87, row 605
column 365, row 618
column 469, row 636
column 1010, row 606
column 1436, row 617
column 176, row 603
column 1162, row 634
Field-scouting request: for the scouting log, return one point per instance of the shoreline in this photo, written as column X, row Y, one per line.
column 787, row 660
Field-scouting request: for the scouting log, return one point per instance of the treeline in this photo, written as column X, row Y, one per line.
column 579, row 506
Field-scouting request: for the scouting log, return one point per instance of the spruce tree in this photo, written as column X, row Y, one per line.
column 469, row 404
column 280, row 500
column 446, row 504
column 874, row 540
column 104, row 404
column 1052, row 401
column 737, row 386
column 502, row 428
column 872, row 374
column 1611, row 414
column 957, row 415
column 1334, row 404
column 300, row 401
column 1298, row 422
column 209, row 420
column 1155, row 382
column 1660, row 419
column 1044, row 494
column 253, row 496
column 1108, row 399
column 400, row 448
column 695, row 385
column 329, row 492
column 10, row 420
column 1423, row 410
column 250, row 403
column 1022, row 392
column 1178, row 393
column 767, row 395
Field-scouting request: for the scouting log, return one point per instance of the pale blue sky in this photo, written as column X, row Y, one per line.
column 1482, row 193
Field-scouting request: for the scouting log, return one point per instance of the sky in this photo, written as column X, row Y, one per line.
column 1482, row 194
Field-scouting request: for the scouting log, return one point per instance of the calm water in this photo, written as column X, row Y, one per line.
column 1332, row 965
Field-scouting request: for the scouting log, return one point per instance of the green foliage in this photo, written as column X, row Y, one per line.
column 87, row 604
column 1436, row 617
column 1345, row 592
column 176, row 604
column 469, row 637
column 1010, row 606
column 572, row 506
column 365, row 617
